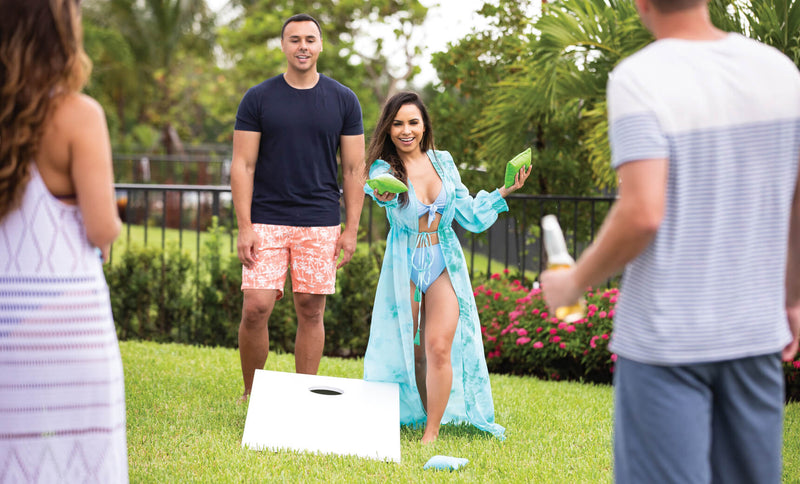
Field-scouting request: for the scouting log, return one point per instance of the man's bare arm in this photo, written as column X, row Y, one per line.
column 628, row 229
column 243, row 168
column 352, row 153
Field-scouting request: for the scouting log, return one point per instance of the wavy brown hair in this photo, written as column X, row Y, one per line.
column 381, row 145
column 41, row 59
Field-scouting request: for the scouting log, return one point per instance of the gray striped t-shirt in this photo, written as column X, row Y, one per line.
column 726, row 116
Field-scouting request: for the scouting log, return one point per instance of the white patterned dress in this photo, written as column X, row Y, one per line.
column 62, row 398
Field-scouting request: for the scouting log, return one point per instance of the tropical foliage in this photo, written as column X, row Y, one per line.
column 549, row 92
column 144, row 53
column 165, row 71
column 169, row 70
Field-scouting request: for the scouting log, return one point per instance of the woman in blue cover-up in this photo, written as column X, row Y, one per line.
column 437, row 357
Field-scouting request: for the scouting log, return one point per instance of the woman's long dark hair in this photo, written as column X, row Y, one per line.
column 41, row 59
column 381, row 145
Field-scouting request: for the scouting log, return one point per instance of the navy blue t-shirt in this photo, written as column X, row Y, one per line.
column 295, row 178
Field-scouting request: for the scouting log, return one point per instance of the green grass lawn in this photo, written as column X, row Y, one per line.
column 135, row 235
column 184, row 425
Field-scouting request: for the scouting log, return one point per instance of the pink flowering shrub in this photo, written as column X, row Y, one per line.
column 521, row 336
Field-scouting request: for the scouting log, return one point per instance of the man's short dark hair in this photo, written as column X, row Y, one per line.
column 669, row 6
column 301, row 17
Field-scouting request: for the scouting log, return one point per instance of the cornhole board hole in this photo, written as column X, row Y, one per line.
column 323, row 414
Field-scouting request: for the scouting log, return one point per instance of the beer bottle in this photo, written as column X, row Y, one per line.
column 558, row 258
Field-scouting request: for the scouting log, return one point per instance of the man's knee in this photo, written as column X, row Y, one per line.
column 256, row 310
column 310, row 308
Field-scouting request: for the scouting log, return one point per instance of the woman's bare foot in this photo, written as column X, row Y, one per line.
column 243, row 399
column 429, row 437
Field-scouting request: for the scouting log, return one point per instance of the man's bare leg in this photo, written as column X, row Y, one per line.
column 310, row 338
column 254, row 333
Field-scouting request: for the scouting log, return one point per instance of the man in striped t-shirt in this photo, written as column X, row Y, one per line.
column 705, row 136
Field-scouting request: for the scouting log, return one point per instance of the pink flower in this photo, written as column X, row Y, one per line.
column 612, row 299
column 613, row 357
column 544, row 315
column 475, row 293
column 589, row 325
column 538, row 345
column 562, row 345
column 491, row 338
column 535, row 311
column 554, row 320
column 539, row 329
column 593, row 342
column 570, row 329
column 796, row 364
column 602, row 314
column 493, row 354
column 514, row 315
column 516, row 282
column 496, row 296
column 585, row 352
column 489, row 292
column 505, row 271
column 522, row 332
column 556, row 339
column 592, row 308
column 480, row 288
column 605, row 336
column 611, row 314
column 523, row 340
column 500, row 313
column 553, row 331
column 562, row 325
column 495, row 276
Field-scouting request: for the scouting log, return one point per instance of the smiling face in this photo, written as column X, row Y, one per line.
column 301, row 44
column 407, row 129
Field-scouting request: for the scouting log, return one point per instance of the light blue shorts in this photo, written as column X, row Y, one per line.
column 718, row 422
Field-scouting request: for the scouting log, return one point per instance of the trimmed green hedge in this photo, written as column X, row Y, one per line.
column 160, row 295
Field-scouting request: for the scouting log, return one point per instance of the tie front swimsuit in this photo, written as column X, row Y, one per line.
column 427, row 260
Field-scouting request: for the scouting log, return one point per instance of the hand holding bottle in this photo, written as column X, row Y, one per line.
column 557, row 282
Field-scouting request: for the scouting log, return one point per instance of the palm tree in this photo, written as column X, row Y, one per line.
column 156, row 32
column 563, row 84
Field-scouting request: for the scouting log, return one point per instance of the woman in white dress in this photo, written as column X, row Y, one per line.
column 62, row 401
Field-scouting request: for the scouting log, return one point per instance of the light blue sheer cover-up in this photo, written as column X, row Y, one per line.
column 390, row 351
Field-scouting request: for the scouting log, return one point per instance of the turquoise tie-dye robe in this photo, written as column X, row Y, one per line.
column 390, row 352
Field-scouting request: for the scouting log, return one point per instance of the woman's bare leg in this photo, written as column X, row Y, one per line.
column 441, row 310
column 419, row 351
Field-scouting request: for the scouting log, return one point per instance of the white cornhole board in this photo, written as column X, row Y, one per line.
column 323, row 414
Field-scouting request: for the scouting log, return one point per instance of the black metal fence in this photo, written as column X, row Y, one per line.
column 513, row 242
column 200, row 168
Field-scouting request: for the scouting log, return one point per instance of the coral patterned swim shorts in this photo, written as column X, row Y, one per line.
column 308, row 250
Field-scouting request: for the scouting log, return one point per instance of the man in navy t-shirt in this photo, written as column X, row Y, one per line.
column 283, row 178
